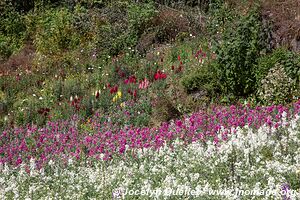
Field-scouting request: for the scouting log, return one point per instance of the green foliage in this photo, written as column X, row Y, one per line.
column 220, row 15
column 2, row 96
column 139, row 15
column 12, row 31
column 238, row 51
column 55, row 32
column 289, row 60
column 3, row 102
column 202, row 78
column 276, row 87
column 124, row 24
column 199, row 3
column 73, row 85
column 293, row 180
column 163, row 111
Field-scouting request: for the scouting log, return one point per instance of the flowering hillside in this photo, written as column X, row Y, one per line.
column 149, row 99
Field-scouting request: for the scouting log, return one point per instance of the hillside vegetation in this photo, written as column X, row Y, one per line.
column 90, row 83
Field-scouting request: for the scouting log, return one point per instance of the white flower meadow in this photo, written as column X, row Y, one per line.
column 250, row 160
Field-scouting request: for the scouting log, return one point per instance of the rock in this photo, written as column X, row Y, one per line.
column 146, row 42
column 295, row 43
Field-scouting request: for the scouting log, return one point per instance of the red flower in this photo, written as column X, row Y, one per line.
column 76, row 103
column 156, row 76
column 163, row 76
column 122, row 74
column 159, row 75
column 134, row 93
column 114, row 89
column 173, row 67
column 132, row 79
column 178, row 57
column 179, row 69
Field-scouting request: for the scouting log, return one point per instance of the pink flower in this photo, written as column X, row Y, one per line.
column 144, row 84
column 19, row 161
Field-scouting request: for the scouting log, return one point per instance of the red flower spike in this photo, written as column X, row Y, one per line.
column 163, row 76
column 159, row 75
column 132, row 79
column 122, row 74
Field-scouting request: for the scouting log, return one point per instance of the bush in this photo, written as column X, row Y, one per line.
column 123, row 24
column 163, row 110
column 174, row 3
column 202, row 79
column 12, row 31
column 55, row 32
column 238, row 51
column 3, row 102
column 289, row 60
column 72, row 86
column 276, row 86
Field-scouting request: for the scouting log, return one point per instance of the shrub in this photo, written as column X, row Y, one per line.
column 202, row 79
column 174, row 3
column 3, row 102
column 289, row 60
column 73, row 86
column 163, row 110
column 169, row 23
column 238, row 51
column 276, row 86
column 55, row 32
column 12, row 31
column 123, row 24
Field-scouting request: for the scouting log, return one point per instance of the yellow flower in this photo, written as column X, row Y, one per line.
column 89, row 120
column 117, row 96
column 122, row 105
column 119, row 93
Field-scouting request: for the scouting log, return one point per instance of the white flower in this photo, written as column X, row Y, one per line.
column 51, row 163
column 70, row 161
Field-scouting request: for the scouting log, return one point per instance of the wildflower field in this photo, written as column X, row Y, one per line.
column 149, row 100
